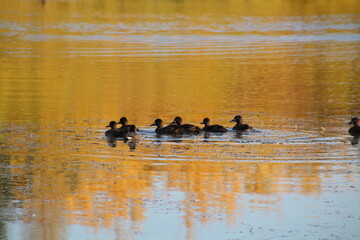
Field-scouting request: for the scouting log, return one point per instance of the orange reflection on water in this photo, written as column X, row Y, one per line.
column 96, row 184
column 70, row 67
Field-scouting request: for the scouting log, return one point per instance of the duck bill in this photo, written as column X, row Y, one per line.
column 351, row 122
column 108, row 126
column 173, row 122
column 233, row 120
column 152, row 125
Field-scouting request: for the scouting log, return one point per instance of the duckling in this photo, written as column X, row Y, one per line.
column 240, row 126
column 131, row 134
column 188, row 128
column 131, row 138
column 113, row 132
column 170, row 129
column 212, row 128
column 355, row 130
column 124, row 125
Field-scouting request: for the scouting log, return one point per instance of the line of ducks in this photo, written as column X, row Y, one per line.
column 128, row 131
column 174, row 128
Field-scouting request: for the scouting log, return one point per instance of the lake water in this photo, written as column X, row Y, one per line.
column 290, row 68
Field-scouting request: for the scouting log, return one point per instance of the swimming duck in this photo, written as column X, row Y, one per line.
column 131, row 138
column 125, row 127
column 212, row 128
column 113, row 132
column 170, row 129
column 131, row 134
column 188, row 128
column 240, row 126
column 355, row 130
column 124, row 124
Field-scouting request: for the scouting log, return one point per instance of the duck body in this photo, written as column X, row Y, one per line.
column 355, row 130
column 113, row 132
column 131, row 138
column 212, row 128
column 131, row 134
column 240, row 126
column 125, row 127
column 187, row 128
column 170, row 129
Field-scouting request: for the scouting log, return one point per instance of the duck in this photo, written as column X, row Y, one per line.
column 240, row 126
column 125, row 127
column 124, row 124
column 170, row 129
column 131, row 134
column 113, row 132
column 355, row 130
column 188, row 128
column 131, row 138
column 212, row 128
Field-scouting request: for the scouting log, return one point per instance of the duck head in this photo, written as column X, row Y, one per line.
column 206, row 122
column 177, row 120
column 123, row 121
column 112, row 125
column 158, row 122
column 133, row 128
column 237, row 119
column 355, row 121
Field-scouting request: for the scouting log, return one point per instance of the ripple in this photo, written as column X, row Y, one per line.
column 261, row 146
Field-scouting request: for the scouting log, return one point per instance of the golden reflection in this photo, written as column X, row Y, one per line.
column 92, row 190
column 102, row 79
column 69, row 67
column 75, row 177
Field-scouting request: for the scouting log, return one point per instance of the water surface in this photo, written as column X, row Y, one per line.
column 290, row 68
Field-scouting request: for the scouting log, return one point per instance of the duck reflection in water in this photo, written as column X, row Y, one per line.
column 355, row 130
column 131, row 138
column 355, row 140
column 111, row 134
column 238, row 134
column 111, row 141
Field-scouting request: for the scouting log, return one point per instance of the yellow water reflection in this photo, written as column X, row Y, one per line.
column 67, row 68
column 92, row 184
column 66, row 72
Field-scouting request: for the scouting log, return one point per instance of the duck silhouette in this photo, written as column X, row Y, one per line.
column 355, row 130
column 113, row 132
column 240, row 126
column 131, row 138
column 188, row 128
column 170, row 129
column 212, row 128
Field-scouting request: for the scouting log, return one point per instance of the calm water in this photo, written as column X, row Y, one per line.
column 290, row 68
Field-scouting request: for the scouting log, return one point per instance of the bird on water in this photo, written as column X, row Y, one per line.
column 240, row 126
column 188, row 128
column 212, row 128
column 355, row 130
